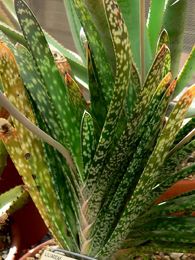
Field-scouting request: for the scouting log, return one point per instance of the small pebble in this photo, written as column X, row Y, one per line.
column 38, row 256
column 176, row 256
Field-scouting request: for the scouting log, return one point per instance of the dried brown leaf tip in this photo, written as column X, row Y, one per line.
column 61, row 63
column 7, row 131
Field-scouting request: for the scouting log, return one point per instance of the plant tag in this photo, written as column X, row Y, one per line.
column 48, row 255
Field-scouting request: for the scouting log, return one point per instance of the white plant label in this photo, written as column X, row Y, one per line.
column 48, row 255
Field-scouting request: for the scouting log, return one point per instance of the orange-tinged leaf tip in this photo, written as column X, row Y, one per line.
column 188, row 95
column 172, row 87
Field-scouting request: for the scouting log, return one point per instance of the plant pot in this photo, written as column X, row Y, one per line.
column 37, row 249
column 27, row 226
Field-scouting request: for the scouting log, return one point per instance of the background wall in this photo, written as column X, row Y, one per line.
column 51, row 15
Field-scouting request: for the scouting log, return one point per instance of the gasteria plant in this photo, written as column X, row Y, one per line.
column 95, row 169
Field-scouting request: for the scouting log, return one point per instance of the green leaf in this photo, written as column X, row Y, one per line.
column 100, row 21
column 77, row 67
column 75, row 27
column 154, row 22
column 76, row 64
column 105, row 73
column 141, row 199
column 122, row 78
column 12, row 200
column 123, row 148
column 13, row 34
column 126, row 184
column 43, row 58
column 133, row 90
column 186, row 73
column 175, row 29
column 163, row 39
column 25, row 152
column 98, row 102
column 131, row 14
column 184, row 205
column 184, row 131
column 173, row 229
column 88, row 140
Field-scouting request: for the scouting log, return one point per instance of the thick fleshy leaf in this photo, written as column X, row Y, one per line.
column 163, row 39
column 154, row 23
column 133, row 90
column 88, row 140
column 122, row 78
column 98, row 102
column 175, row 29
column 13, row 34
column 43, row 58
column 12, row 200
column 142, row 198
column 28, row 161
column 100, row 21
column 186, row 73
column 123, row 149
column 131, row 14
column 75, row 27
column 103, row 67
column 186, row 129
column 168, row 182
column 126, row 184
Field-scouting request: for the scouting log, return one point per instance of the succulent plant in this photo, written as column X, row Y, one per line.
column 96, row 169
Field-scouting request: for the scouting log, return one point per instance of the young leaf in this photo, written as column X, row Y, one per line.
column 186, row 73
column 105, row 73
column 175, row 29
column 154, row 22
column 122, row 77
column 75, row 27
